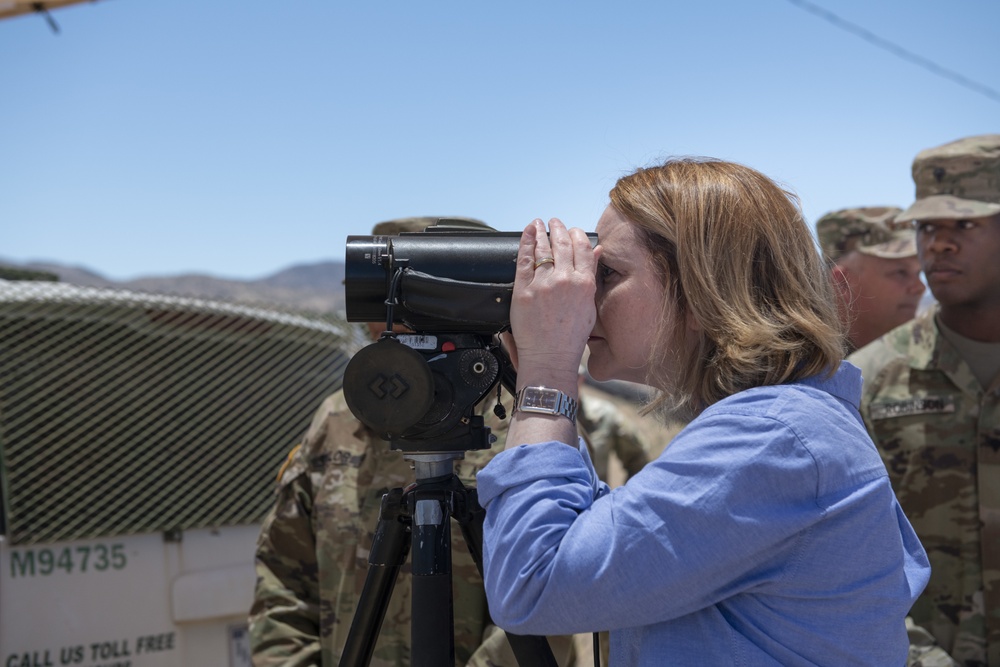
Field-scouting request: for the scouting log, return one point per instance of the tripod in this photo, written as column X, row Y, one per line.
column 421, row 514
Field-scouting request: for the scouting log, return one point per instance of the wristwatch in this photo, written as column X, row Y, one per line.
column 546, row 401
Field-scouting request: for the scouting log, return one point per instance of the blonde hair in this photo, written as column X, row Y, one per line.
column 738, row 260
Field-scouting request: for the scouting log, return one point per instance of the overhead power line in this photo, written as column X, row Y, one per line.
column 897, row 50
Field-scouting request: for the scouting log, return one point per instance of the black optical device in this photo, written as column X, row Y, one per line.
column 451, row 285
column 441, row 279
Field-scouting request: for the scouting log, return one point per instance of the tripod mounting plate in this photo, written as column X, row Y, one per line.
column 419, row 391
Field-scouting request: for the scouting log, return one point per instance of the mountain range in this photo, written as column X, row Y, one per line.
column 309, row 288
column 314, row 288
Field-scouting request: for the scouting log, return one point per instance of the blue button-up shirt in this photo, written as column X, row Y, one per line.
column 765, row 534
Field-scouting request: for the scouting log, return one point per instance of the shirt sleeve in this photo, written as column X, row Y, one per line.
column 716, row 513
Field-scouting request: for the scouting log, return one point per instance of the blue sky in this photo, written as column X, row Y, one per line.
column 155, row 137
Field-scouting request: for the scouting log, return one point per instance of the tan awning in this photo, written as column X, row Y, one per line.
column 9, row 8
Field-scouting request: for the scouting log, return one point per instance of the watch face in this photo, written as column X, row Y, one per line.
column 542, row 399
column 546, row 400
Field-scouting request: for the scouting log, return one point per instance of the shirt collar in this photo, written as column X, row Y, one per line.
column 845, row 383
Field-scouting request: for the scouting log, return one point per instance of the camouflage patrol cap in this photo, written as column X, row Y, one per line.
column 419, row 224
column 960, row 179
column 870, row 230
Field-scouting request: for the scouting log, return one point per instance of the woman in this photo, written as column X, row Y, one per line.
column 767, row 532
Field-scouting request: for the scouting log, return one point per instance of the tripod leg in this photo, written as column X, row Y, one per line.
column 389, row 550
column 530, row 651
column 432, row 619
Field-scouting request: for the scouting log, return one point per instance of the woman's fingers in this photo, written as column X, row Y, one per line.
column 543, row 247
column 584, row 255
column 526, row 254
column 561, row 245
column 558, row 249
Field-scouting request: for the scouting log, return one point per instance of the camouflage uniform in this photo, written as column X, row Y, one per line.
column 608, row 427
column 939, row 435
column 312, row 555
column 938, row 431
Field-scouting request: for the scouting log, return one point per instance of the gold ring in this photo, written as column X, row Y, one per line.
column 545, row 260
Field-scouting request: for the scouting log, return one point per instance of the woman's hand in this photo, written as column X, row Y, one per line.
column 552, row 312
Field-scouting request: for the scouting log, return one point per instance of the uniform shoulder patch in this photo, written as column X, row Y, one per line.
column 288, row 460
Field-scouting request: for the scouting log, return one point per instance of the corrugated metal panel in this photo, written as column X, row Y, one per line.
column 125, row 413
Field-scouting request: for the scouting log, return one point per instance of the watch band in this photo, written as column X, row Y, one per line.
column 547, row 401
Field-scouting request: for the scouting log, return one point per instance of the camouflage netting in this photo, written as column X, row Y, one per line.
column 123, row 412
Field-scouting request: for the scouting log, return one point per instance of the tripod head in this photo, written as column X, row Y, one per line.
column 419, row 391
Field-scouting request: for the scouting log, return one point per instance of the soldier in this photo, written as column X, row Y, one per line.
column 313, row 549
column 609, row 427
column 874, row 266
column 932, row 403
